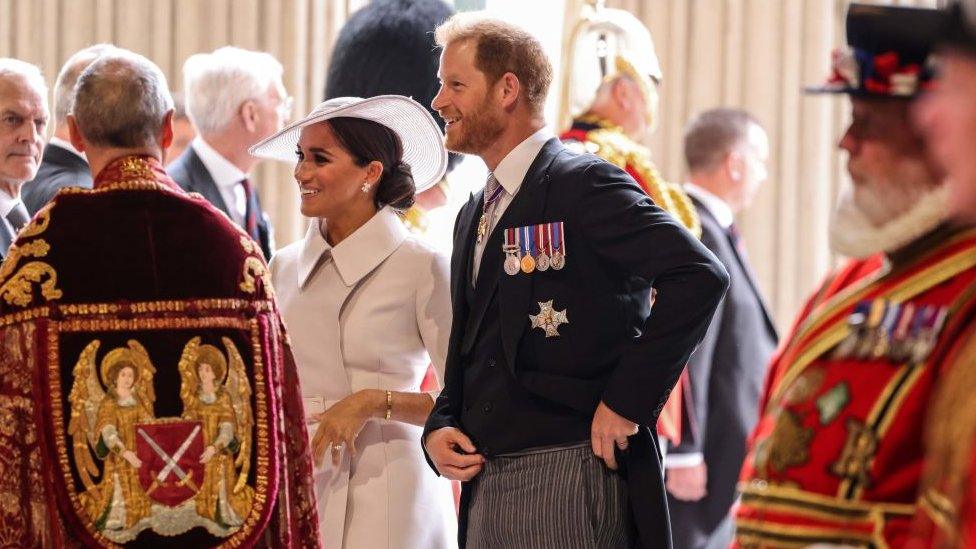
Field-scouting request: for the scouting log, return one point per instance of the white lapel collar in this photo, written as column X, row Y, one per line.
column 368, row 246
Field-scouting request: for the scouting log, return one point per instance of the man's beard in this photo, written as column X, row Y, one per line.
column 478, row 131
column 884, row 217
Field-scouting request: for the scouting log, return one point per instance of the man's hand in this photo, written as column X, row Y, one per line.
column 688, row 483
column 609, row 429
column 453, row 454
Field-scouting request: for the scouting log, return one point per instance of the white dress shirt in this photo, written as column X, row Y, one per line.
column 227, row 177
column 719, row 209
column 7, row 204
column 510, row 172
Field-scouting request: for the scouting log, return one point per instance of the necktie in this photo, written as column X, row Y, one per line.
column 17, row 217
column 493, row 192
column 250, row 210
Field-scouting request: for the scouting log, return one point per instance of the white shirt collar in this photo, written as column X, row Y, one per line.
column 66, row 145
column 512, row 169
column 719, row 209
column 359, row 253
column 224, row 174
column 7, row 203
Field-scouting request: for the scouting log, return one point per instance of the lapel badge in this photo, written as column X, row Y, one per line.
column 549, row 318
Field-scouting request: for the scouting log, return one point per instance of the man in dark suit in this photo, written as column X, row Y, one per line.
column 62, row 165
column 726, row 151
column 23, row 119
column 556, row 369
column 235, row 98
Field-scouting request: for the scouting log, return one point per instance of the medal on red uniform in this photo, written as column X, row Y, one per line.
column 558, row 240
column 526, row 246
column 510, row 247
column 541, row 233
column 897, row 332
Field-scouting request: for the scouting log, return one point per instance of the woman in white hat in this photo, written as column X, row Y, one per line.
column 367, row 305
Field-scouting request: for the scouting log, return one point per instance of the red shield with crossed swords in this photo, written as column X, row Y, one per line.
column 171, row 471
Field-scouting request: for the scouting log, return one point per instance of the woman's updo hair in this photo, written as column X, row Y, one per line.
column 367, row 141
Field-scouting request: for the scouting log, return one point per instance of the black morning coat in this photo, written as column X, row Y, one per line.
column 618, row 245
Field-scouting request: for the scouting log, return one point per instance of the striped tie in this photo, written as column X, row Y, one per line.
column 493, row 192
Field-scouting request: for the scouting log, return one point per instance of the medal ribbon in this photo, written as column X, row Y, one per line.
column 528, row 242
column 557, row 238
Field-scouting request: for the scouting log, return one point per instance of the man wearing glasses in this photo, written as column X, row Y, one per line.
column 235, row 98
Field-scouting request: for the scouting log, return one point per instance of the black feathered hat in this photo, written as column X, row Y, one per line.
column 387, row 47
column 889, row 52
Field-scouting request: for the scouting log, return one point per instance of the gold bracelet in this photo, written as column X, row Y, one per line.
column 389, row 404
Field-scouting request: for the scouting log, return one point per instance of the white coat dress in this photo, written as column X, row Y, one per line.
column 367, row 314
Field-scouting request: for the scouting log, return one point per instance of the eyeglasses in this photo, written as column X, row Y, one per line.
column 285, row 106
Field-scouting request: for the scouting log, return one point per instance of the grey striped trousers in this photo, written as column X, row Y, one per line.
column 559, row 498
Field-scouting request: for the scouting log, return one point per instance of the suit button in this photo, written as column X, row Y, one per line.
column 487, row 407
column 491, row 363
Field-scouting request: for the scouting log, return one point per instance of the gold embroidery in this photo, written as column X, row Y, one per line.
column 203, row 305
column 247, row 244
column 39, row 223
column 787, row 446
column 255, row 267
column 19, row 290
column 134, row 167
column 224, row 503
column 34, row 248
column 854, row 463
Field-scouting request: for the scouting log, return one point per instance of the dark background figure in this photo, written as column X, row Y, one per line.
column 387, row 47
column 726, row 151
column 62, row 165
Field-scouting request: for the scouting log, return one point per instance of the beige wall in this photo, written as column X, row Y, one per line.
column 758, row 55
column 755, row 54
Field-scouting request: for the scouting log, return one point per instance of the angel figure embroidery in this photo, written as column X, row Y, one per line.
column 220, row 398
column 103, row 422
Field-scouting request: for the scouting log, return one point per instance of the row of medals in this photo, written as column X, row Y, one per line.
column 528, row 264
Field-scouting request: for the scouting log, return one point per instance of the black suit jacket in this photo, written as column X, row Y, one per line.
column 727, row 372
column 192, row 175
column 59, row 168
column 619, row 244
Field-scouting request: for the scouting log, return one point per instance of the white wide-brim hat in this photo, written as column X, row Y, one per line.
column 423, row 143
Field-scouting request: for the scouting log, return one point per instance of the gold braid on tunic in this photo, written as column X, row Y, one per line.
column 613, row 145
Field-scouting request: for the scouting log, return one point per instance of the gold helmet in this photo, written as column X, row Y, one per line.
column 606, row 43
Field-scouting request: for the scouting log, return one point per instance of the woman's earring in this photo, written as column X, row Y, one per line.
column 365, row 187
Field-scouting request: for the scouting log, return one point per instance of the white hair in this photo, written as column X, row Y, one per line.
column 64, row 86
column 215, row 84
column 10, row 67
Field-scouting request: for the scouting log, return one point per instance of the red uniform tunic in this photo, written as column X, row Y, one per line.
column 837, row 454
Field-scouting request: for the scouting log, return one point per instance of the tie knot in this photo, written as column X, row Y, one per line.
column 493, row 190
column 18, row 217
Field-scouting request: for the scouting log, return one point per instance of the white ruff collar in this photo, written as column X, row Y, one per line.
column 852, row 235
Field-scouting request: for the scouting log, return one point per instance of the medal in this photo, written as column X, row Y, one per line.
column 489, row 201
column 511, row 249
column 900, row 347
column 882, row 343
column 558, row 260
column 542, row 260
column 855, row 324
column 528, row 263
column 482, row 226
column 549, row 319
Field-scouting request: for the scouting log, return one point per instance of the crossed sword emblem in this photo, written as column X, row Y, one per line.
column 171, row 465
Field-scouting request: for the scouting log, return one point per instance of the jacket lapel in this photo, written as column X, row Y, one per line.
column 526, row 208
column 203, row 182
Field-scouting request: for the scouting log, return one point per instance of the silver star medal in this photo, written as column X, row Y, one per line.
column 549, row 319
